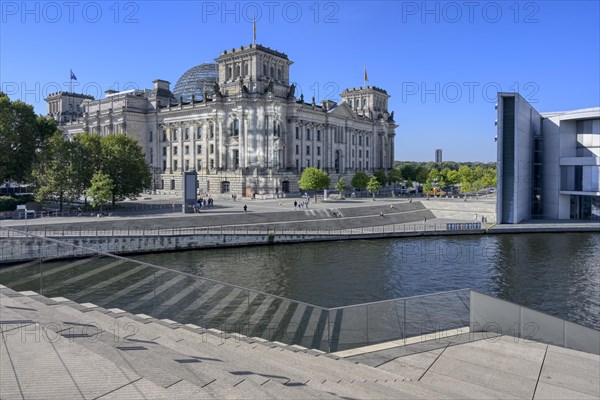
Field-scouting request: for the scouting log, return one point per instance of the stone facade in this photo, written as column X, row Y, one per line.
column 253, row 135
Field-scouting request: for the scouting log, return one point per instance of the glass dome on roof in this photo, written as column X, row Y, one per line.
column 196, row 81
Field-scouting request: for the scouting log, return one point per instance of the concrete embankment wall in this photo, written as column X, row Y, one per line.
column 21, row 249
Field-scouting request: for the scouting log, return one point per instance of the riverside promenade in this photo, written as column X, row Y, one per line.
column 427, row 216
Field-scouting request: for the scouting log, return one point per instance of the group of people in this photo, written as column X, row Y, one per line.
column 301, row 204
column 203, row 203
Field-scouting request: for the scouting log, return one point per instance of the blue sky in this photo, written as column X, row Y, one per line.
column 442, row 62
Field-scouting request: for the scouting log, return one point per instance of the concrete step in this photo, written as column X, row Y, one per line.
column 149, row 359
column 212, row 377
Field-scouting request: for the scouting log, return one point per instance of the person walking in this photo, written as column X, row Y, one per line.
column 245, row 208
column 295, row 204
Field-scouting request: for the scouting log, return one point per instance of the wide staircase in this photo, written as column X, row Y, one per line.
column 139, row 288
column 54, row 348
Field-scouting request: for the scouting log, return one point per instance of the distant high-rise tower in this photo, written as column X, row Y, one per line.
column 438, row 155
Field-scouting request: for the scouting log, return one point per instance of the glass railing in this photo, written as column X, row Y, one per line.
column 58, row 269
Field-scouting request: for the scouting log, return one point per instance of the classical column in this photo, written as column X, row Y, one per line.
column 242, row 148
column 221, row 160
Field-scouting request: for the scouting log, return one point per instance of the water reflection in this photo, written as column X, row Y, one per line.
column 554, row 273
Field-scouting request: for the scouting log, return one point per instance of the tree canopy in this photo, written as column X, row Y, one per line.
column 313, row 179
column 22, row 136
column 341, row 185
column 360, row 180
column 66, row 168
column 373, row 184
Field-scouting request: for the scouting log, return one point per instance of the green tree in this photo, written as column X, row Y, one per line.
column 55, row 171
column 123, row 161
column 101, row 189
column 409, row 172
column 381, row 176
column 422, row 175
column 313, row 179
column 395, row 176
column 453, row 177
column 342, row 186
column 489, row 177
column 373, row 185
column 22, row 136
column 360, row 180
column 87, row 151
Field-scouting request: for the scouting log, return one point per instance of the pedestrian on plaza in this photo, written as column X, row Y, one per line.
column 79, row 211
column 475, row 217
column 295, row 204
column 245, row 208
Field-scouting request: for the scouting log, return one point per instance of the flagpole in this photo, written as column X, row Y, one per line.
column 254, row 29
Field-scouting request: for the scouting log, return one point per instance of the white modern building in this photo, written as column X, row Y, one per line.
column 548, row 163
column 249, row 133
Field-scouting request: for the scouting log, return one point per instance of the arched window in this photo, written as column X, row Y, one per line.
column 265, row 69
column 236, row 70
column 279, row 73
column 235, row 127
column 272, row 71
column 364, row 103
column 245, row 68
column 228, row 72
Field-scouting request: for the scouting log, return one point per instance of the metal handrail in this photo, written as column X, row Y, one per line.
column 398, row 299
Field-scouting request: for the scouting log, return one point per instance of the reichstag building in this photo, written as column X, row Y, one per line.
column 240, row 124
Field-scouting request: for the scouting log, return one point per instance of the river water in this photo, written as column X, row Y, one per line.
column 554, row 273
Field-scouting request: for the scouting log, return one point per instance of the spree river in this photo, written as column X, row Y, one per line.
column 554, row 273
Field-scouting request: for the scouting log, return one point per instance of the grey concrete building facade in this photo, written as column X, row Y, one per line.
column 548, row 163
column 251, row 134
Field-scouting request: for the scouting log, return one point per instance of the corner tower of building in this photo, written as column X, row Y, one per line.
column 257, row 68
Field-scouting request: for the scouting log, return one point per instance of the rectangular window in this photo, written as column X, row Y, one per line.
column 307, row 163
column 172, row 184
column 318, row 135
column 297, row 133
column 360, row 140
column 212, row 163
column 367, row 165
column 308, row 150
column 174, row 150
column 319, row 164
column 199, row 149
column 297, row 149
column 367, row 153
column 307, row 133
column 187, row 165
column 175, row 166
column 151, row 156
column 164, row 136
column 199, row 165
column 212, row 149
column 162, row 184
column 318, row 150
column 352, row 152
column 150, row 136
column 199, row 133
column 187, row 133
column 211, row 131
column 353, row 139
column 164, row 151
column 359, row 153
column 367, row 140
column 187, row 150
column 164, row 166
column 174, row 134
